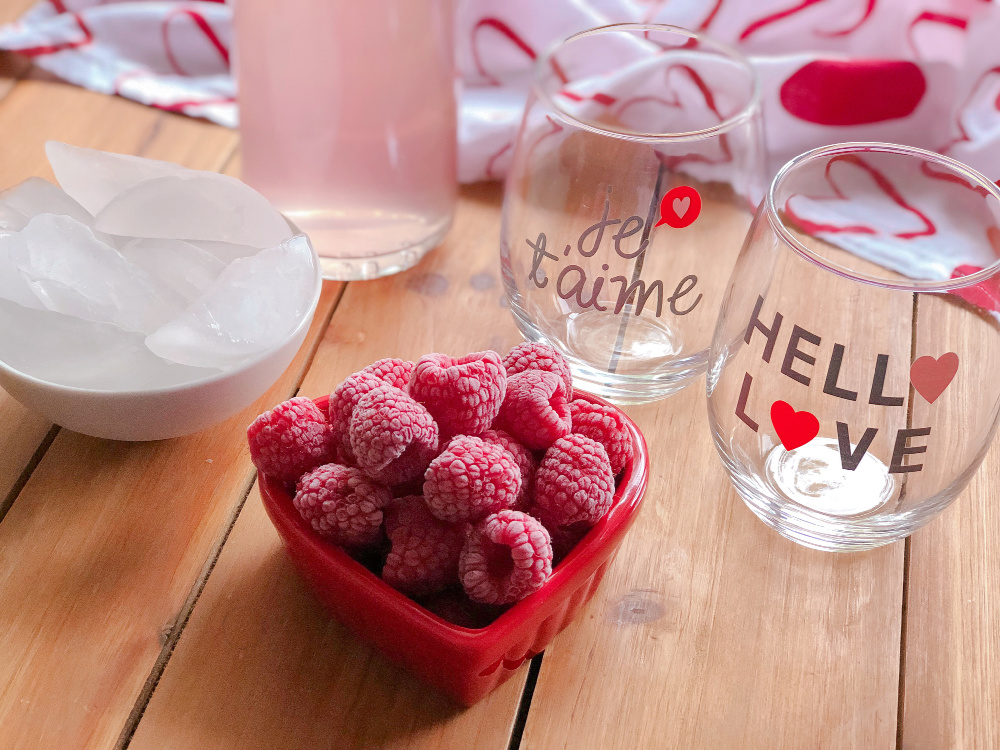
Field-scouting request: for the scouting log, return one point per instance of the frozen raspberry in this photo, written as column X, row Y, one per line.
column 342, row 504
column 507, row 556
column 525, row 462
column 463, row 395
column 470, row 479
column 394, row 372
column 290, row 439
column 606, row 425
column 535, row 411
column 392, row 437
column 424, row 555
column 342, row 402
column 574, row 483
column 534, row 355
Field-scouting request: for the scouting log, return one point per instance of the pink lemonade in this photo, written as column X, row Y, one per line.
column 347, row 121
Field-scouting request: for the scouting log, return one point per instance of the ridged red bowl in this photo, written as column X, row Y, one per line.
column 464, row 663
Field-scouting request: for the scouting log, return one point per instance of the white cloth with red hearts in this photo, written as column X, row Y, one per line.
column 919, row 72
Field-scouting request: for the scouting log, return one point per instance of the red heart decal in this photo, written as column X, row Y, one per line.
column 794, row 428
column 680, row 207
column 985, row 294
column 931, row 376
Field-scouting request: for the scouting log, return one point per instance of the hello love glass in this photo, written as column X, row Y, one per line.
column 635, row 174
column 854, row 376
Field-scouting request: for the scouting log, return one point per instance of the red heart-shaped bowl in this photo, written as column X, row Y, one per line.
column 464, row 663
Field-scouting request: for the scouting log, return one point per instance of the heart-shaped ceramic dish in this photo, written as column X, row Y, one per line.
column 464, row 663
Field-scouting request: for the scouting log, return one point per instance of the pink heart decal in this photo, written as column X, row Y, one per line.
column 794, row 428
column 680, row 207
column 985, row 294
column 931, row 376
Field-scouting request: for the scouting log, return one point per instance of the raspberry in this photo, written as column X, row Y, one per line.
column 424, row 555
column 535, row 411
column 342, row 402
column 392, row 437
column 470, row 479
column 574, row 483
column 534, row 355
column 394, row 372
column 606, row 425
column 507, row 556
column 463, row 395
column 290, row 439
column 342, row 504
column 524, row 460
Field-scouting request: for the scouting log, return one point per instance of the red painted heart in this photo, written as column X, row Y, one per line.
column 680, row 207
column 794, row 428
column 985, row 294
column 931, row 376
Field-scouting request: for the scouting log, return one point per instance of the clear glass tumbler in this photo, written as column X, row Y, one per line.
column 854, row 382
column 347, row 121
column 635, row 175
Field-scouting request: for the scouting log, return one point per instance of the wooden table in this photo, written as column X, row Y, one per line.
column 146, row 602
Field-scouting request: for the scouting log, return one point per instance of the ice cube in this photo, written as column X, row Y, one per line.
column 13, row 287
column 69, row 351
column 95, row 177
column 73, row 272
column 227, row 252
column 183, row 268
column 11, row 219
column 253, row 305
column 36, row 196
column 195, row 206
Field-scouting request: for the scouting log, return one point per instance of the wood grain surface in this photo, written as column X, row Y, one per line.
column 101, row 550
column 144, row 604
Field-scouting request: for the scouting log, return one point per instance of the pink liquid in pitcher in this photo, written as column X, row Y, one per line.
column 347, row 120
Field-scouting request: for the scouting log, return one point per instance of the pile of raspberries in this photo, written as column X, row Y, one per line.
column 481, row 471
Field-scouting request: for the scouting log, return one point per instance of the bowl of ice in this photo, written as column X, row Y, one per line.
column 140, row 300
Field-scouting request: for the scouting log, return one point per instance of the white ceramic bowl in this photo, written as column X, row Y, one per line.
column 164, row 412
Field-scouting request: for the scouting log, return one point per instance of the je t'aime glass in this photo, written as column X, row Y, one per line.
column 854, row 377
column 635, row 174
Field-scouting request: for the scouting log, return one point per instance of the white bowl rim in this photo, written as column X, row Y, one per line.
column 191, row 384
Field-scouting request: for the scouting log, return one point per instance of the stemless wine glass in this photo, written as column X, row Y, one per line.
column 854, row 378
column 635, row 174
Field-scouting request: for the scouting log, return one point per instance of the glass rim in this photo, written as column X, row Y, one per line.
column 748, row 110
column 854, row 147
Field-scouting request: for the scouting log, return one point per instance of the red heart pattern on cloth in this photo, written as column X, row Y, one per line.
column 794, row 428
column 985, row 294
column 931, row 376
column 853, row 92
column 864, row 202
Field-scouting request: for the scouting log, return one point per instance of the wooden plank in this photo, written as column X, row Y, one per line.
column 712, row 631
column 35, row 111
column 104, row 549
column 11, row 10
column 259, row 664
column 952, row 668
column 98, row 556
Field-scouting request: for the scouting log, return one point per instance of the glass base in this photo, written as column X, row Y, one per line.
column 366, row 264
column 806, row 497
column 646, row 367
